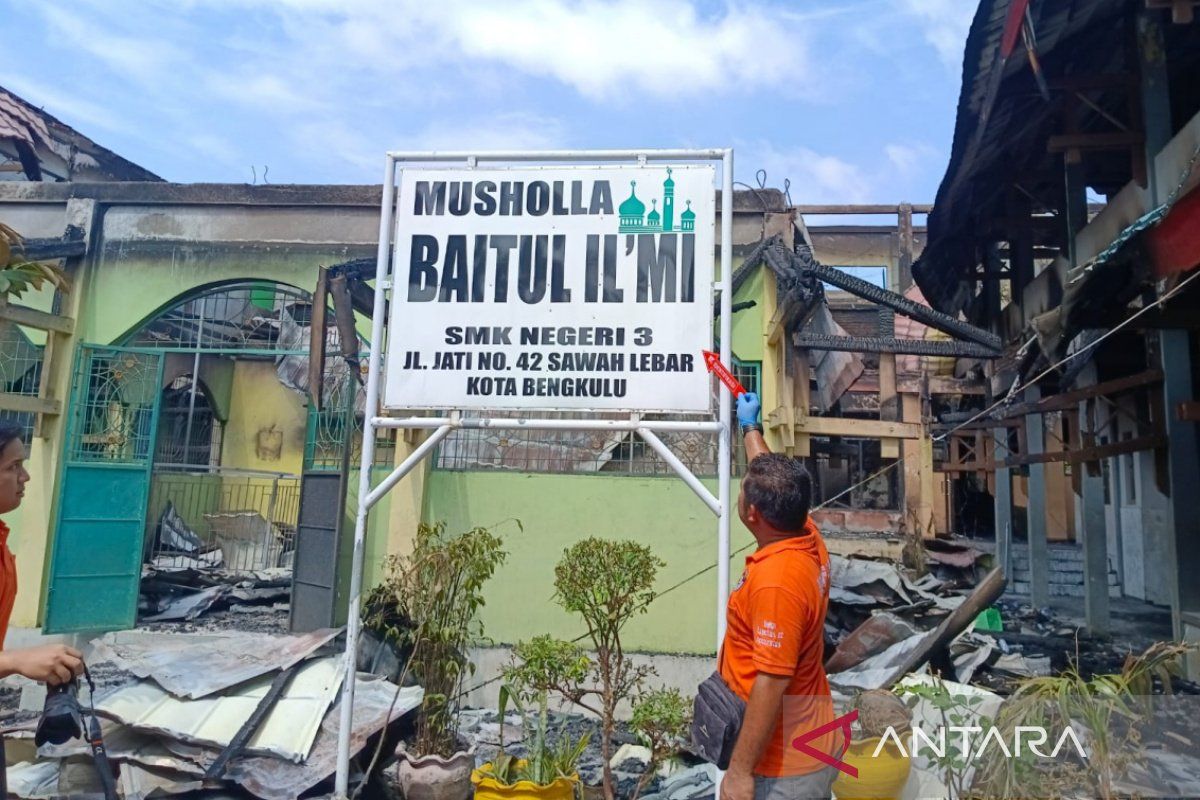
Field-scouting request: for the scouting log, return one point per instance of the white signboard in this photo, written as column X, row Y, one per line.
column 552, row 289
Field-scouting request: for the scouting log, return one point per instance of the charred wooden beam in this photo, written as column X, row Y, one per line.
column 1065, row 400
column 884, row 344
column 785, row 262
column 1115, row 140
column 51, row 249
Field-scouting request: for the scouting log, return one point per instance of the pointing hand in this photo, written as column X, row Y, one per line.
column 749, row 408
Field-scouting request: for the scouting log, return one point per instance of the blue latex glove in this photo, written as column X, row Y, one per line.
column 749, row 408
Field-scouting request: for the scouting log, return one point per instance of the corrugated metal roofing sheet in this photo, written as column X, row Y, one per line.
column 193, row 665
column 287, row 732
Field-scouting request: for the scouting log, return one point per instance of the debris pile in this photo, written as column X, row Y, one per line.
column 180, row 594
column 213, row 712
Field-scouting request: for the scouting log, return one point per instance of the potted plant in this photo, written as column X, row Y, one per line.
column 436, row 590
column 607, row 583
column 548, row 771
column 662, row 720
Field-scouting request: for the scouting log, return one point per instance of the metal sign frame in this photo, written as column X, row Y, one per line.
column 443, row 425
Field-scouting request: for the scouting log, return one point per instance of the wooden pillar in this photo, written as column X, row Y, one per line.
column 1092, row 527
column 907, row 245
column 889, row 403
column 1184, row 455
column 1003, row 501
column 1039, row 555
column 1156, row 97
column 918, row 470
column 802, row 394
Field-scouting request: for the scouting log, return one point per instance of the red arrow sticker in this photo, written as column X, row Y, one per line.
column 713, row 362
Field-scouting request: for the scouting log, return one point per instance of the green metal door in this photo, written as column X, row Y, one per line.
column 95, row 567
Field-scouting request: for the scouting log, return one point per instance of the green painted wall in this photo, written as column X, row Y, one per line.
column 748, row 324
column 558, row 510
column 124, row 291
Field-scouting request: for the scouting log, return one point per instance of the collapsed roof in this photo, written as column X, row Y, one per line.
column 36, row 146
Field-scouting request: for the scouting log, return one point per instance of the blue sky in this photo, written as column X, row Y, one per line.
column 851, row 101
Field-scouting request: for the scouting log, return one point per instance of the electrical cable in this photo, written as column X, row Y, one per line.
column 1171, row 199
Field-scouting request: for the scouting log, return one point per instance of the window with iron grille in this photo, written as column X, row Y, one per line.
column 586, row 452
column 20, row 371
column 749, row 374
column 188, row 430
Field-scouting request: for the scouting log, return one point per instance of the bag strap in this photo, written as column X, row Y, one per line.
column 96, row 742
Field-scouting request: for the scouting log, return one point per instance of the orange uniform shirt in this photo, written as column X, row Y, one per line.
column 776, row 625
column 8, row 583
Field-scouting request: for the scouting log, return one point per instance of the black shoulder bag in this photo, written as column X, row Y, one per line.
column 716, row 721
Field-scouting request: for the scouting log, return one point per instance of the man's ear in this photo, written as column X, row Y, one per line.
column 752, row 515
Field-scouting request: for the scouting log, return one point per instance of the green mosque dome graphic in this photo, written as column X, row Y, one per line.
column 687, row 220
column 632, row 210
column 634, row 218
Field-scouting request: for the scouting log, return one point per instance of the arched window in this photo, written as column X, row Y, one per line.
column 188, row 430
column 246, row 316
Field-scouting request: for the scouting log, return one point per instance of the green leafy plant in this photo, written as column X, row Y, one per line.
column 607, row 583
column 18, row 275
column 427, row 607
column 547, row 761
column 662, row 719
column 1110, row 709
column 955, row 710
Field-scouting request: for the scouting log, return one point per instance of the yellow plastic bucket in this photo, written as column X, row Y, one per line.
column 880, row 777
column 488, row 788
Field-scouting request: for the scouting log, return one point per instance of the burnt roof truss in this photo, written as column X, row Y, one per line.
column 884, row 344
column 803, row 265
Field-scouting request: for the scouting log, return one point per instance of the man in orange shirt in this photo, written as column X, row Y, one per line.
column 50, row 663
column 773, row 653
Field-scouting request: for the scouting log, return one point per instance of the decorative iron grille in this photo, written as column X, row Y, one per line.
column 20, row 372
column 214, row 518
column 114, row 417
column 341, row 416
column 250, row 316
column 587, row 452
column 188, row 430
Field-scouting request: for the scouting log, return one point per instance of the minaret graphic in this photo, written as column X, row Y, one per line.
column 668, row 212
column 634, row 219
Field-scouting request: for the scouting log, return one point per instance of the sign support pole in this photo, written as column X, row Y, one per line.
column 444, row 425
column 726, row 400
column 353, row 622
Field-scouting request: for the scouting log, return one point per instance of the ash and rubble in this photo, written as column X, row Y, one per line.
column 882, row 618
column 173, row 696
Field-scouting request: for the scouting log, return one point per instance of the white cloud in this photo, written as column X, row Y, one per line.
column 607, row 49
column 814, row 177
column 341, row 142
column 142, row 59
column 508, row 131
column 64, row 104
column 945, row 23
column 260, row 91
column 909, row 159
column 604, row 49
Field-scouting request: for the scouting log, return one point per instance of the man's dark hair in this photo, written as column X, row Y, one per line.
column 780, row 488
column 10, row 431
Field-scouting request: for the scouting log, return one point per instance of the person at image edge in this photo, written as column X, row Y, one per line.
column 773, row 653
column 52, row 664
